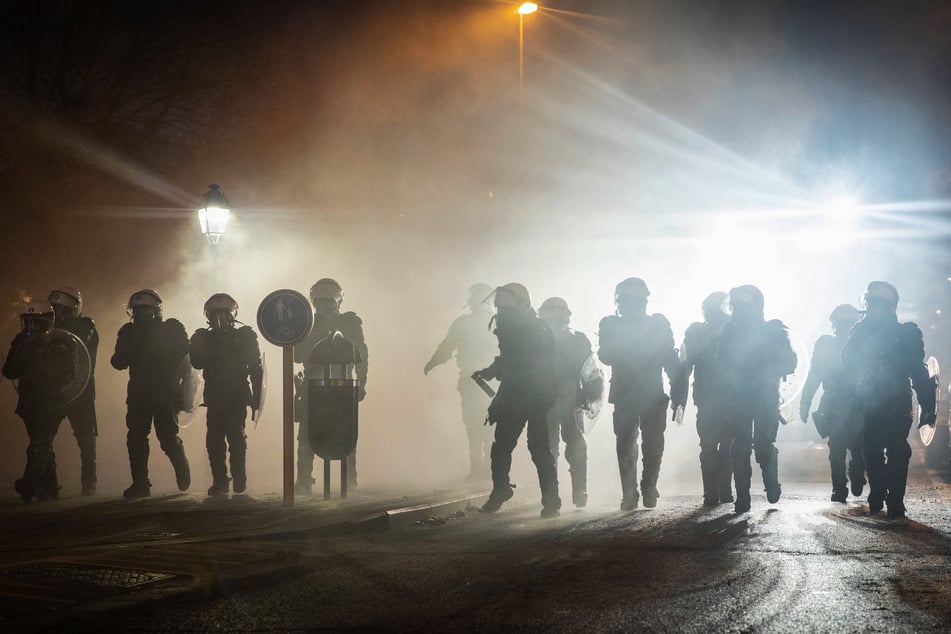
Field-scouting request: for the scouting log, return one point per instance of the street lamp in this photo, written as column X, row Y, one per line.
column 526, row 8
column 213, row 215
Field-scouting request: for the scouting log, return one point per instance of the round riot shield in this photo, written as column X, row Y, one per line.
column 927, row 432
column 59, row 368
column 189, row 388
column 591, row 378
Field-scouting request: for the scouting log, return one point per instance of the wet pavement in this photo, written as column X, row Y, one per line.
column 100, row 554
column 186, row 563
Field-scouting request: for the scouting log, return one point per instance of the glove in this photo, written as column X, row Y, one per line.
column 677, row 415
column 361, row 392
column 928, row 419
column 804, row 415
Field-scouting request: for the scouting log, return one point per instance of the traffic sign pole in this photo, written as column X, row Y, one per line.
column 285, row 317
column 289, row 425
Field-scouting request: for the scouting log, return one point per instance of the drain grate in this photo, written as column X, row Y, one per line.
column 73, row 574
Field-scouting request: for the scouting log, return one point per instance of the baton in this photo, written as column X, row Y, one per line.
column 485, row 387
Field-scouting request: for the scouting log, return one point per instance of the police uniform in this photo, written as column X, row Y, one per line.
column 638, row 347
column 527, row 390
column 152, row 352
column 82, row 412
column 572, row 349
column 754, row 355
column 475, row 347
column 699, row 354
column 885, row 354
column 228, row 357
column 351, row 327
column 836, row 416
column 38, row 368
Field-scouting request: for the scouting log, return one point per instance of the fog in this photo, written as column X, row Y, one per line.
column 396, row 152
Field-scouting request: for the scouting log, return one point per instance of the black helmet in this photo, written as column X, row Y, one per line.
column 632, row 286
column 326, row 288
column 845, row 312
column 715, row 302
column 747, row 294
column 883, row 291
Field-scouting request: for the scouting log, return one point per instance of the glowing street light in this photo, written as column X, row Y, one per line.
column 214, row 214
column 526, row 8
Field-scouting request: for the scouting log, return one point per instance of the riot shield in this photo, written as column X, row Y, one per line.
column 927, row 432
column 59, row 369
column 591, row 378
column 256, row 415
column 189, row 388
column 791, row 386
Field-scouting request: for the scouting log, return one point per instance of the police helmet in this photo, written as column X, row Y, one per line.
column 883, row 291
column 221, row 310
column 747, row 295
column 553, row 304
column 715, row 302
column 632, row 287
column 845, row 312
column 326, row 288
column 478, row 293
column 69, row 297
column 145, row 297
column 513, row 295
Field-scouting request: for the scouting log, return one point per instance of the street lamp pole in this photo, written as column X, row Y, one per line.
column 526, row 8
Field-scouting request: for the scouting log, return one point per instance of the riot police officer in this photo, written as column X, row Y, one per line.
column 326, row 295
column 229, row 358
column 67, row 304
column 754, row 356
column 527, row 389
column 885, row 354
column 572, row 349
column 474, row 345
column 698, row 354
column 836, row 417
column 638, row 347
column 152, row 348
column 40, row 367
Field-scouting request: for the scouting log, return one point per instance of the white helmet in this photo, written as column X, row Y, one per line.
column 221, row 305
column 69, row 297
column 145, row 297
column 37, row 316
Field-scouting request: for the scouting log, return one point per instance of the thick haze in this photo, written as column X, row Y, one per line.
column 388, row 145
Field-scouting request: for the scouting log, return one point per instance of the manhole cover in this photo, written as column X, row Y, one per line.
column 73, row 574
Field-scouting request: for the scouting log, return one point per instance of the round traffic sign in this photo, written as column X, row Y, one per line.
column 285, row 317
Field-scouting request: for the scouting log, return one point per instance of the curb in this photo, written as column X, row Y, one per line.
column 410, row 515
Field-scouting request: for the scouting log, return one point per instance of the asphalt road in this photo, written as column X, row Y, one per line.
column 804, row 564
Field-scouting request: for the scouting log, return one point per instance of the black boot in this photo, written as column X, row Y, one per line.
column 139, row 489
column 497, row 498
